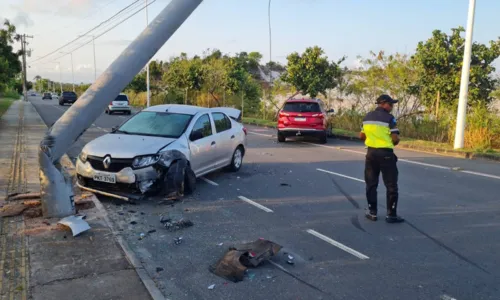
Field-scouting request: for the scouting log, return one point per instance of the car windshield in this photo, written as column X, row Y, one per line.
column 302, row 107
column 156, row 124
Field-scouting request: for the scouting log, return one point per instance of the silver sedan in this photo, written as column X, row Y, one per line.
column 162, row 149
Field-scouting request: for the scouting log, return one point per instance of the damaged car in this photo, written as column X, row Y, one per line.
column 161, row 150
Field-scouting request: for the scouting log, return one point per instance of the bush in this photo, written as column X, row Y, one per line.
column 10, row 94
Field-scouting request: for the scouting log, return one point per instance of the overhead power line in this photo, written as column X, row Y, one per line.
column 103, row 33
column 86, row 33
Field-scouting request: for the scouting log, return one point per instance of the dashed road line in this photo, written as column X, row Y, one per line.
column 337, row 244
column 341, row 175
column 399, row 159
column 209, row 181
column 446, row 297
column 261, row 134
column 255, row 204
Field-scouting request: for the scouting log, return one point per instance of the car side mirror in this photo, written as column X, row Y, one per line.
column 195, row 135
column 330, row 111
column 114, row 129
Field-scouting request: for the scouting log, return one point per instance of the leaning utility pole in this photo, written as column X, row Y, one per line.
column 56, row 187
column 24, row 52
column 464, row 81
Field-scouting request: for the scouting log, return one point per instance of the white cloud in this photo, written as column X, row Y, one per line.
column 22, row 19
column 59, row 7
column 81, row 67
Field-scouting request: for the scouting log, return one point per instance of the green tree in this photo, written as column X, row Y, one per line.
column 311, row 73
column 215, row 70
column 184, row 74
column 439, row 60
column 10, row 65
column 138, row 84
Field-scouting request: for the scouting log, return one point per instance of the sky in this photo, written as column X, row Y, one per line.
column 349, row 28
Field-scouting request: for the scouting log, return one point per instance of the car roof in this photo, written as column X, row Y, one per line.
column 177, row 108
column 309, row 100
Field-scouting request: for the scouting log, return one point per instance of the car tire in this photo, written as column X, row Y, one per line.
column 110, row 112
column 129, row 113
column 281, row 138
column 189, row 181
column 61, row 103
column 236, row 160
column 175, row 179
column 323, row 138
column 106, row 111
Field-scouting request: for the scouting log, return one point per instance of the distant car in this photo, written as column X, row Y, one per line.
column 161, row 147
column 120, row 104
column 33, row 94
column 47, row 96
column 304, row 117
column 55, row 96
column 67, row 97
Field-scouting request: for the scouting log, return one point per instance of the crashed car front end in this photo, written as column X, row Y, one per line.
column 133, row 178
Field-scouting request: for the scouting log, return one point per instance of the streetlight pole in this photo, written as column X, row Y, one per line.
column 464, row 81
column 270, row 43
column 95, row 65
column 147, row 66
column 72, row 69
column 60, row 75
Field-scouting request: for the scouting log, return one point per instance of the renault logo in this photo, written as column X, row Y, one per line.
column 106, row 162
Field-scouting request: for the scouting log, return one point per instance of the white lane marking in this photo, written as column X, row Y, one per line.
column 414, row 162
column 481, row 174
column 424, row 164
column 341, row 175
column 337, row 244
column 255, row 204
column 262, row 134
column 209, row 181
column 446, row 297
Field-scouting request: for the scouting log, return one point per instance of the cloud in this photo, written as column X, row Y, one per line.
column 22, row 19
column 84, row 67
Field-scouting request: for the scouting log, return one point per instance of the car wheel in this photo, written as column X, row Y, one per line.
column 175, row 179
column 281, row 138
column 236, row 160
column 189, row 181
column 110, row 112
column 129, row 113
column 106, row 111
column 323, row 138
column 61, row 103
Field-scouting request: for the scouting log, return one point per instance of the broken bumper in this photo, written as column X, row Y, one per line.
column 129, row 183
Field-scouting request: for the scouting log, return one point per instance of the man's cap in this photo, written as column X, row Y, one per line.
column 386, row 99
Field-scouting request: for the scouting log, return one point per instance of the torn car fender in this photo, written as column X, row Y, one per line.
column 167, row 157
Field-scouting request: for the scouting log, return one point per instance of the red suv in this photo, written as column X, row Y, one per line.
column 304, row 117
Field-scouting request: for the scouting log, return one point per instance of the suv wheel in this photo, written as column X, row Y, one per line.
column 323, row 138
column 281, row 138
column 236, row 160
column 61, row 103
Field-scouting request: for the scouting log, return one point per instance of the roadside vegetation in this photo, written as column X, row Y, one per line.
column 427, row 84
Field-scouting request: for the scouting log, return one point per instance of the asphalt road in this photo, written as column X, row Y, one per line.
column 309, row 198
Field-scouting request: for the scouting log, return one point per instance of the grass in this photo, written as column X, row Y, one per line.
column 259, row 122
column 5, row 104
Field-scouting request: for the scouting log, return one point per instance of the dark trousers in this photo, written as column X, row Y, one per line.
column 381, row 160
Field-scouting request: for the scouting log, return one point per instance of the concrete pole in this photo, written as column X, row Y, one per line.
column 464, row 81
column 60, row 76
column 270, row 43
column 56, row 189
column 72, row 71
column 148, row 101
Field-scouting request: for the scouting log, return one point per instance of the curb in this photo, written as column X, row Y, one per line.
column 148, row 282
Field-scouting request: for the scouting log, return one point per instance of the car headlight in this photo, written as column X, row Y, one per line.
column 83, row 156
column 144, row 161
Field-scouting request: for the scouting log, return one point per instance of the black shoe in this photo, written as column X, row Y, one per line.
column 394, row 219
column 372, row 216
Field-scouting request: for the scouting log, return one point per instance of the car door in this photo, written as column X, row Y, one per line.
column 202, row 145
column 225, row 139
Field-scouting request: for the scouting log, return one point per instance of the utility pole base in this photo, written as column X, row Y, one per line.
column 56, row 189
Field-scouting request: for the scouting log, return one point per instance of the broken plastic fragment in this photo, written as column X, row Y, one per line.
column 142, row 236
column 76, row 223
column 211, row 287
column 178, row 240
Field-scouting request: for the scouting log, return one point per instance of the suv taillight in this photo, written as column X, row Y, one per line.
column 283, row 114
column 321, row 116
column 245, row 130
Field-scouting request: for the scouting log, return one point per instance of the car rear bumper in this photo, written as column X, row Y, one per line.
column 119, row 108
column 301, row 131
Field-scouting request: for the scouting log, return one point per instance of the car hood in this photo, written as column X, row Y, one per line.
column 125, row 145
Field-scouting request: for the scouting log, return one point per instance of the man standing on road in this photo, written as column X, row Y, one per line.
column 381, row 135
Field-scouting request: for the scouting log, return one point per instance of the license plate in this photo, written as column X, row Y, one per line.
column 300, row 119
column 105, row 177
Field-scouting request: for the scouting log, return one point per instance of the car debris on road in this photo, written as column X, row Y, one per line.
column 234, row 264
column 171, row 225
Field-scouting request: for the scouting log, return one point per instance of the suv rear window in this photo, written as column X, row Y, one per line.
column 301, row 107
column 121, row 98
column 69, row 94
